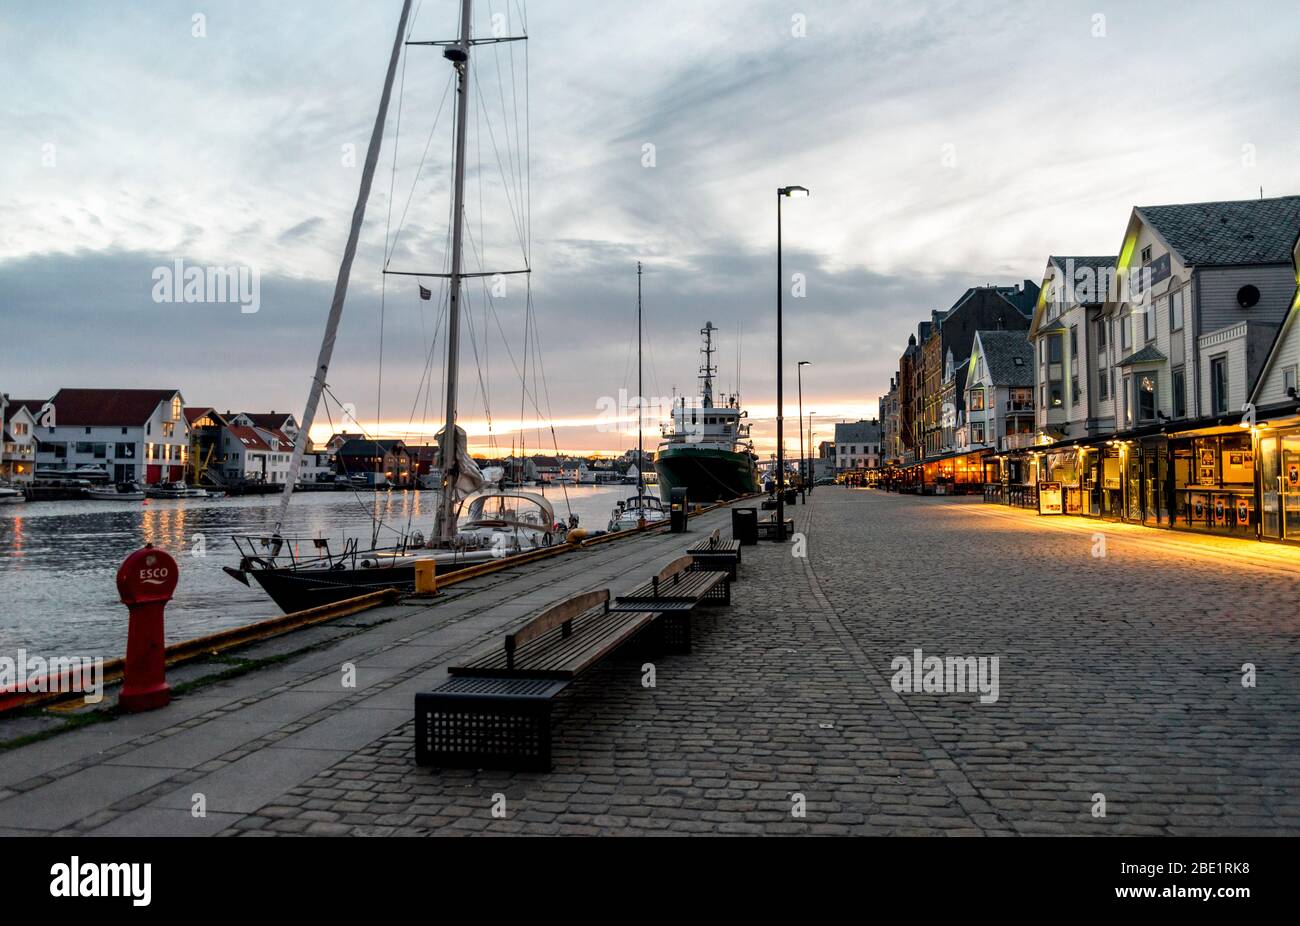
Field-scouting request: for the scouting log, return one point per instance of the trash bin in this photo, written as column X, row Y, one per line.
column 744, row 526
column 677, row 511
column 791, row 496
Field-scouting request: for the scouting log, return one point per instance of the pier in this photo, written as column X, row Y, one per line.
column 1119, row 675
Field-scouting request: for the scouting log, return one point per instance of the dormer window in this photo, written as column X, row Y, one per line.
column 1146, row 255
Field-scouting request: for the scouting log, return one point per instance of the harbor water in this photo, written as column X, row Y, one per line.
column 59, row 560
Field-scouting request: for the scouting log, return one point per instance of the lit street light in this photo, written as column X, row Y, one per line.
column 780, row 370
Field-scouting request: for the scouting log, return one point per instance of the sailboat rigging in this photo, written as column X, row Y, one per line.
column 496, row 525
column 641, row 510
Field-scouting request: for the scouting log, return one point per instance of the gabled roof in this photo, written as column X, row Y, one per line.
column 274, row 421
column 858, row 432
column 248, row 437
column 1001, row 351
column 1148, row 354
column 1246, row 231
column 368, row 447
column 108, row 407
column 33, row 406
column 194, row 412
column 1096, row 264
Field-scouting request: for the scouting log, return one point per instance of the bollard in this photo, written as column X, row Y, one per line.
column 426, row 581
column 145, row 583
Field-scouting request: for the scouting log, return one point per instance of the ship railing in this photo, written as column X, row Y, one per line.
column 279, row 551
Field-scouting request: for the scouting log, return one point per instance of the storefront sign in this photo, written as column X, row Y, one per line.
column 1049, row 498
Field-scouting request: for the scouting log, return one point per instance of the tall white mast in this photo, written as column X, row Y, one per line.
column 458, row 55
column 640, row 395
column 345, row 273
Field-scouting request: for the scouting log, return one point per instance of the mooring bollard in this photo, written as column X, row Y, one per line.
column 145, row 583
column 426, row 581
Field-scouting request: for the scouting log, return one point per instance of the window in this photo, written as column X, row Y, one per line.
column 1149, row 323
column 1057, row 394
column 1146, row 397
column 1074, row 342
column 1126, row 398
column 1180, row 392
column 1176, row 311
column 1146, row 254
column 1074, row 389
column 176, row 408
column 977, row 400
column 1289, row 380
column 1126, row 332
column 977, row 432
column 1219, row 385
column 1101, row 335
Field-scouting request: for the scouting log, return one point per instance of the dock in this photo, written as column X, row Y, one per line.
column 1118, row 676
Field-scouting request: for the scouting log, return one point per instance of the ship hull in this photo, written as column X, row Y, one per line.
column 707, row 474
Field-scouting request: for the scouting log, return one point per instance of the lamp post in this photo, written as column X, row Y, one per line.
column 812, row 469
column 780, row 377
column 803, row 478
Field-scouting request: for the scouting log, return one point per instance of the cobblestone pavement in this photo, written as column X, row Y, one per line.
column 1119, row 676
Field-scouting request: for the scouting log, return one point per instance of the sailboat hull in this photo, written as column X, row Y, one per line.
column 299, row 589
column 707, row 474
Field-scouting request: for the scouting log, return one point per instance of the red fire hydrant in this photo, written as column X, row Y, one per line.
column 145, row 582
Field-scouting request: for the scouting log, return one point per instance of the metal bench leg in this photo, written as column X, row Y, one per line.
column 675, row 631
column 460, row 731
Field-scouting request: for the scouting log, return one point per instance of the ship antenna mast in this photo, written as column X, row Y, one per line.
column 707, row 369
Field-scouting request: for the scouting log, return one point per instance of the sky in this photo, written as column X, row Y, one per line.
column 945, row 145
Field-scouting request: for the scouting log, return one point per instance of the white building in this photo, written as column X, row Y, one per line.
column 1202, row 290
column 857, row 445
column 999, row 390
column 134, row 435
column 1069, row 348
column 18, row 451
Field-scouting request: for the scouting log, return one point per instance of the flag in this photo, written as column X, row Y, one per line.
column 426, row 294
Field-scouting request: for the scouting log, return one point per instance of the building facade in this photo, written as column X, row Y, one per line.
column 133, row 435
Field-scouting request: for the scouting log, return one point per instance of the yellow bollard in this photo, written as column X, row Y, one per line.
column 426, row 582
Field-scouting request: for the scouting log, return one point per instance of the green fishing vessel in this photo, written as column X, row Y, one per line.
column 707, row 449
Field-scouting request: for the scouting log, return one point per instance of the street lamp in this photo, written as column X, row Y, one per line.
column 803, row 479
column 781, row 193
column 812, row 469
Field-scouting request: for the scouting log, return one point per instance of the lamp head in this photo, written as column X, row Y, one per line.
column 793, row 191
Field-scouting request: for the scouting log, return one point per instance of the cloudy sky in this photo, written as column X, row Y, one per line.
column 945, row 144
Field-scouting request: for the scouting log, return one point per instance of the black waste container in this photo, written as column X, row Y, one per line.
column 677, row 510
column 744, row 526
column 791, row 496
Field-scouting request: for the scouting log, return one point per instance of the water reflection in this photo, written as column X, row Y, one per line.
column 58, row 560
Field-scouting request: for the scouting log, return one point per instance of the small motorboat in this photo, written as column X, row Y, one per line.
column 631, row 513
column 122, row 492
column 175, row 490
column 9, row 495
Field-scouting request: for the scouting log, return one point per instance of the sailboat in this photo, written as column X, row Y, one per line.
column 495, row 525
column 641, row 510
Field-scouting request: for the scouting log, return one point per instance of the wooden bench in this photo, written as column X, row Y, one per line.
column 767, row 528
column 714, row 553
column 495, row 711
column 673, row 593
